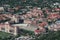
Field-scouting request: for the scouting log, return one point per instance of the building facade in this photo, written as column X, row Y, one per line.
column 6, row 27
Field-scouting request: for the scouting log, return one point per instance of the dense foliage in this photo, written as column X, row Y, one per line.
column 49, row 36
column 45, row 36
column 39, row 3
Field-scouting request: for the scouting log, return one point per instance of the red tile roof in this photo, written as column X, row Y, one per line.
column 43, row 24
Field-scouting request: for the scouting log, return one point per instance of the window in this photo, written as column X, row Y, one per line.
column 2, row 29
column 21, row 20
column 11, row 31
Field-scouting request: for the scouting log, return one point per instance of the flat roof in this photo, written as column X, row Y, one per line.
column 20, row 24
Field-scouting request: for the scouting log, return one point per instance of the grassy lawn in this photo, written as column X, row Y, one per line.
column 5, row 36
